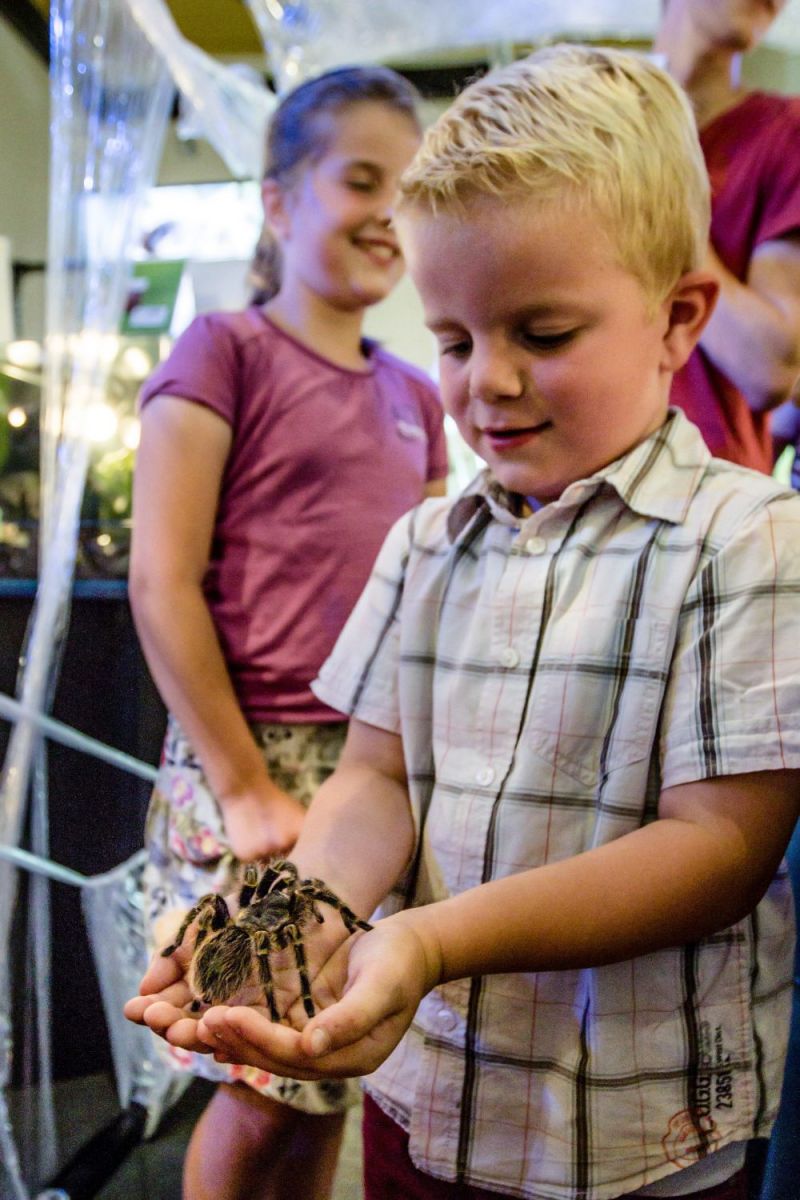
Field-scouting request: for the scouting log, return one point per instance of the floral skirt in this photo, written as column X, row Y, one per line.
column 188, row 856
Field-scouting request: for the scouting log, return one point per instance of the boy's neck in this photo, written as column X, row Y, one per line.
column 332, row 333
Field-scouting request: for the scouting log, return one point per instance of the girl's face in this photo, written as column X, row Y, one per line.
column 334, row 222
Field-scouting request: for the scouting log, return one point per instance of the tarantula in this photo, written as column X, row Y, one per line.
column 274, row 909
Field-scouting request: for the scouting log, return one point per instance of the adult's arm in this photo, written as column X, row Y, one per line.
column 179, row 469
column 754, row 332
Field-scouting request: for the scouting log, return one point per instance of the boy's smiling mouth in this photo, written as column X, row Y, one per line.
column 507, row 437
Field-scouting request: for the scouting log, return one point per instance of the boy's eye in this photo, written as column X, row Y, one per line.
column 549, row 341
column 458, row 348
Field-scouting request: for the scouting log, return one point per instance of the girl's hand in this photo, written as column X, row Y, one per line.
column 373, row 984
column 262, row 823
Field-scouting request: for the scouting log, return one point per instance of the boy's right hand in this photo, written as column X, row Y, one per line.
column 164, row 998
column 262, row 823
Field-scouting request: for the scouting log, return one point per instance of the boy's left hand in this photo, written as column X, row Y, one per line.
column 373, row 984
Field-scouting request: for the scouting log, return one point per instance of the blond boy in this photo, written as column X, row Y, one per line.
column 575, row 698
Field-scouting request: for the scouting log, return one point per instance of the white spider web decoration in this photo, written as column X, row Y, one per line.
column 303, row 37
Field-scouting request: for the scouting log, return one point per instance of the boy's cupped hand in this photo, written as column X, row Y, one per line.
column 373, row 985
column 366, row 993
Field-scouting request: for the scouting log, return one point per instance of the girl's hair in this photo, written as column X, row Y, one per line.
column 599, row 128
column 299, row 132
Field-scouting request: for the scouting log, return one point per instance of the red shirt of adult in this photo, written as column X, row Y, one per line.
column 752, row 152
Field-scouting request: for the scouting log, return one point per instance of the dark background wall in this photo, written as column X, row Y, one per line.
column 96, row 810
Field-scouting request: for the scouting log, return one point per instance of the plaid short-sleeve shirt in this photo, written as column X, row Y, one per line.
column 549, row 675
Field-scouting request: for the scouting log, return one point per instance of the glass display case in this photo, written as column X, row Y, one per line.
column 104, row 535
column 191, row 250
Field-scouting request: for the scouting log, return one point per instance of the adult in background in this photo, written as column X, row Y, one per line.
column 749, row 354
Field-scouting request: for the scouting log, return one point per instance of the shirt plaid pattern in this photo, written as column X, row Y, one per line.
column 550, row 674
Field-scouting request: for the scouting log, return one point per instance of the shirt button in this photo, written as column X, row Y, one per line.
column 446, row 1020
column 485, row 776
column 536, row 545
column 509, row 657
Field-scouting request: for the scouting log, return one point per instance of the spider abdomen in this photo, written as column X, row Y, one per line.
column 223, row 965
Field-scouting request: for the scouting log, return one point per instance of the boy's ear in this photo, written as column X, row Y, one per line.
column 689, row 307
column 273, row 198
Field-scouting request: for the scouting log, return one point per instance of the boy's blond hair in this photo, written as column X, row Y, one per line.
column 600, row 127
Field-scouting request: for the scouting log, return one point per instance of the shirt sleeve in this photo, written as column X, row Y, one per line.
column 360, row 677
column 732, row 702
column 202, row 367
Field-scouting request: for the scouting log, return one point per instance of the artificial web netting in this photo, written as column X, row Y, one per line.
column 116, row 65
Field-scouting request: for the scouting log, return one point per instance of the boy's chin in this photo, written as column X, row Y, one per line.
column 524, row 483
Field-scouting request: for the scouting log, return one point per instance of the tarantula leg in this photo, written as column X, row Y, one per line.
column 320, row 892
column 210, row 900
column 302, row 971
column 212, row 921
column 249, row 885
column 276, row 871
column 263, row 948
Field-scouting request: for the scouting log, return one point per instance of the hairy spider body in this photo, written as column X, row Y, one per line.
column 274, row 910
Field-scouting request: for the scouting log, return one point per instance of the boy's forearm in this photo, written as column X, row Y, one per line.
column 358, row 835
column 667, row 884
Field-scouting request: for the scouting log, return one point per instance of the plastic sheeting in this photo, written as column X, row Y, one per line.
column 112, row 906
column 110, row 102
column 227, row 106
column 303, row 37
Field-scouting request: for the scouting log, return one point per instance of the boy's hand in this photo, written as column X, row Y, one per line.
column 164, row 996
column 165, row 1000
column 368, row 992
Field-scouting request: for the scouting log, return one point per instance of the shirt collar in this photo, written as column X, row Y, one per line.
column 658, row 478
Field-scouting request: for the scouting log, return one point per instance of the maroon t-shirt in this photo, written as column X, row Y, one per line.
column 323, row 461
column 752, row 152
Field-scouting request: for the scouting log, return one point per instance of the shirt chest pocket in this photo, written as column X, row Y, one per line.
column 597, row 692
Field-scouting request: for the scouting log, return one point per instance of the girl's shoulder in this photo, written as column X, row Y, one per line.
column 400, row 369
column 238, row 326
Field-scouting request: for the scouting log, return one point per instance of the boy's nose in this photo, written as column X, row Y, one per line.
column 494, row 376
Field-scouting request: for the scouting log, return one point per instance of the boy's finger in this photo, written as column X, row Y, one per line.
column 250, row 1037
column 161, row 1015
column 178, row 995
column 135, row 1008
column 160, row 974
column 352, row 1019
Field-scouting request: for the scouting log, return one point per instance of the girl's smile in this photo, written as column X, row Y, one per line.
column 338, row 247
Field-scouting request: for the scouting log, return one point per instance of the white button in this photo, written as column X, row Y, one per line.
column 536, row 545
column 446, row 1019
column 485, row 776
column 509, row 657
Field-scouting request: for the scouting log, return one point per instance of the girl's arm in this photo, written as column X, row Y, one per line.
column 179, row 469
